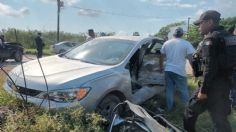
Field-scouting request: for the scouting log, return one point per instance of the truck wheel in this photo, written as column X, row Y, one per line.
column 18, row 56
column 106, row 106
column 2, row 60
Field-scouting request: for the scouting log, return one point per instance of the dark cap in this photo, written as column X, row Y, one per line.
column 179, row 31
column 90, row 30
column 208, row 15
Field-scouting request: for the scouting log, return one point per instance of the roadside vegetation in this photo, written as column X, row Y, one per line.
column 16, row 116
column 204, row 123
column 46, row 52
column 32, row 119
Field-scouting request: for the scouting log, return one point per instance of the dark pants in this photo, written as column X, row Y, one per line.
column 233, row 91
column 217, row 104
column 39, row 52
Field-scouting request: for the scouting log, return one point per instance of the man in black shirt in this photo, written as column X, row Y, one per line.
column 39, row 45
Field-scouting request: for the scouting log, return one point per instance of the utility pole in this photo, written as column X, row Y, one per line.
column 16, row 35
column 188, row 27
column 59, row 5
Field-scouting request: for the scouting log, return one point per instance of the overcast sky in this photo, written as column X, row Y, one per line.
column 124, row 16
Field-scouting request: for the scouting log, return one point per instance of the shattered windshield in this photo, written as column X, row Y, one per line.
column 102, row 51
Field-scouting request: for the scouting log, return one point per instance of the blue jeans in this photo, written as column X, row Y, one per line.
column 172, row 79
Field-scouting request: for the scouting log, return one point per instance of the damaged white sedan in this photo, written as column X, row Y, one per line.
column 96, row 75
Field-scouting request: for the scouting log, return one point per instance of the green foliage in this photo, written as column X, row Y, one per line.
column 228, row 22
column 193, row 36
column 34, row 52
column 36, row 120
column 32, row 119
column 5, row 98
column 204, row 123
column 26, row 37
column 163, row 32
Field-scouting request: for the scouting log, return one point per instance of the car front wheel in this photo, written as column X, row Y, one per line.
column 18, row 56
column 106, row 106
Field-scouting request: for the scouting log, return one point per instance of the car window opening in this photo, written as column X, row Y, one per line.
column 144, row 62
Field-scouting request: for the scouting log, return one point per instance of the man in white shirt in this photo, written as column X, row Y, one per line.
column 1, row 40
column 1, row 44
column 176, row 51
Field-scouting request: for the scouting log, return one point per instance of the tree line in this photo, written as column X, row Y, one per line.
column 192, row 34
column 26, row 37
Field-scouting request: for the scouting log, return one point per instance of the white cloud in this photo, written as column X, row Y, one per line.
column 6, row 10
column 170, row 3
column 201, row 3
column 66, row 2
column 199, row 12
column 88, row 12
column 225, row 7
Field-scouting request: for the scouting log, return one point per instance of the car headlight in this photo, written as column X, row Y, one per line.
column 67, row 95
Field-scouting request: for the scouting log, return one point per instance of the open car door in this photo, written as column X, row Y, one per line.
column 147, row 80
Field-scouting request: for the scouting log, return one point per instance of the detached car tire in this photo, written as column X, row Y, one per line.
column 106, row 106
column 18, row 56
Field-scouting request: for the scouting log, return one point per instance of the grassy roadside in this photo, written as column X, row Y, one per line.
column 33, row 119
column 204, row 123
column 46, row 52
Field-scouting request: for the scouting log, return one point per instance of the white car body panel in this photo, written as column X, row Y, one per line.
column 62, row 73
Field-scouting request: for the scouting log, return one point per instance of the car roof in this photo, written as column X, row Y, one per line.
column 131, row 38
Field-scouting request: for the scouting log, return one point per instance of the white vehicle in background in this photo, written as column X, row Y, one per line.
column 63, row 46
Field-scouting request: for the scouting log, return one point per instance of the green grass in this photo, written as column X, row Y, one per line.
column 204, row 123
column 29, row 118
column 46, row 52
column 33, row 119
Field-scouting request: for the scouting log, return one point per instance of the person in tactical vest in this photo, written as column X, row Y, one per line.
column 232, row 30
column 214, row 89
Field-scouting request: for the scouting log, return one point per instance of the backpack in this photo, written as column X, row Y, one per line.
column 228, row 53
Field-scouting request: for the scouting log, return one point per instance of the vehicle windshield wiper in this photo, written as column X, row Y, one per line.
column 86, row 61
column 65, row 56
column 91, row 62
